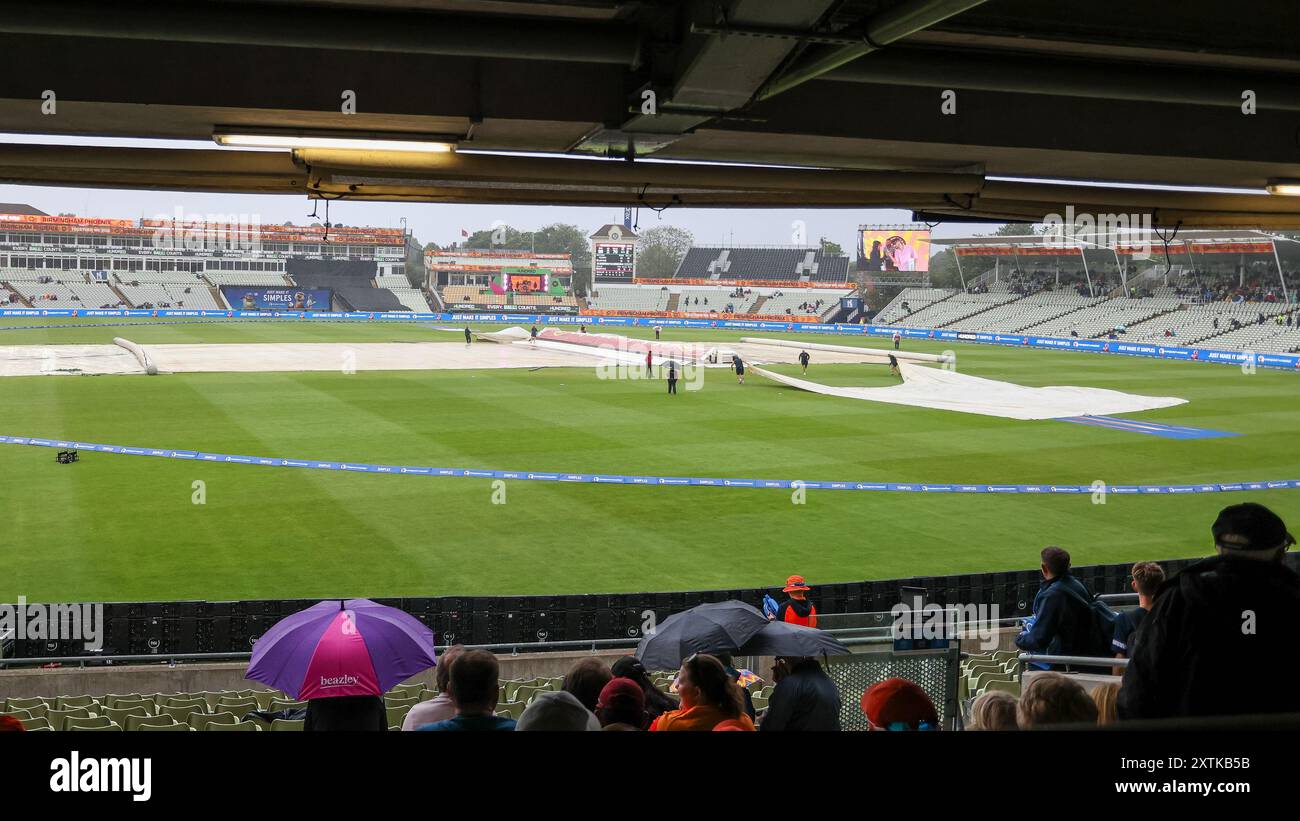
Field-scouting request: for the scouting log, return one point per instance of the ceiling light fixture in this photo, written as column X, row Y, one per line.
column 351, row 141
column 1283, row 188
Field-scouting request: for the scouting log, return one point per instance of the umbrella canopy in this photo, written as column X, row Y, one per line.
column 341, row 647
column 779, row 638
column 709, row 628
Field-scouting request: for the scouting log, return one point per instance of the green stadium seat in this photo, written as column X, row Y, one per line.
column 21, row 715
column 265, row 698
column 390, row 701
column 123, row 702
column 281, row 725
column 89, row 723
column 984, row 680
column 406, row 690
column 524, row 693
column 1012, row 687
column 56, row 717
column 508, row 688
column 239, row 706
column 164, row 728
column 210, row 699
column 68, row 702
column 37, row 723
column 35, row 706
column 118, row 715
column 284, row 704
column 396, row 715
column 513, row 709
column 182, row 714
column 197, row 702
column 238, row 727
column 136, row 722
column 109, row 727
column 202, row 721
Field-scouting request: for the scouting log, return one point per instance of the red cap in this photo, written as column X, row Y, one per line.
column 898, row 701
column 621, row 692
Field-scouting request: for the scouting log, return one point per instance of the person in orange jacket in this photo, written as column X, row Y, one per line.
column 709, row 698
column 796, row 609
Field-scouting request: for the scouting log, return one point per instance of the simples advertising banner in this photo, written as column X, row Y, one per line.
column 276, row 299
column 1284, row 361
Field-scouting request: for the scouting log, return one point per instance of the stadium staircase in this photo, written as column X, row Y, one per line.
column 756, row 308
column 673, row 299
column 720, row 265
column 807, row 269
column 217, row 296
column 21, row 299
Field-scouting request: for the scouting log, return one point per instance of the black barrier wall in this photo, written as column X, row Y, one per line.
column 143, row 628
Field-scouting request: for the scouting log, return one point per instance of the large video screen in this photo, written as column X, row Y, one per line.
column 888, row 249
column 527, row 283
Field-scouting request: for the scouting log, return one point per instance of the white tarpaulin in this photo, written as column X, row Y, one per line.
column 940, row 389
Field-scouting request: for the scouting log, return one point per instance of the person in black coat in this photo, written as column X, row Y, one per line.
column 346, row 713
column 1222, row 637
column 805, row 698
column 1062, row 619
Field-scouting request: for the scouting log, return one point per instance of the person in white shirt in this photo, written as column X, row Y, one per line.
column 440, row 707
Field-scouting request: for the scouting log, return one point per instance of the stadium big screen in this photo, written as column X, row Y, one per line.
column 527, row 280
column 893, row 249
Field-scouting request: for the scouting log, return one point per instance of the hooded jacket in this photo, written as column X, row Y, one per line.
column 806, row 699
column 796, row 611
column 1223, row 638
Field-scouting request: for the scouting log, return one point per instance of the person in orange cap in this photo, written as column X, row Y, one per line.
column 898, row 704
column 797, row 609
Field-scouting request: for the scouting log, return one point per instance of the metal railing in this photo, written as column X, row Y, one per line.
column 856, row 636
column 1077, row 661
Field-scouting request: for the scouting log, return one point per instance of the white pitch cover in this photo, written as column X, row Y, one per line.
column 926, row 387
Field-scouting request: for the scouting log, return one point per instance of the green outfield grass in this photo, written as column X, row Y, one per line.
column 125, row 528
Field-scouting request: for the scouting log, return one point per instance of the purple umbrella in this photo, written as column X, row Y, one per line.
column 341, row 647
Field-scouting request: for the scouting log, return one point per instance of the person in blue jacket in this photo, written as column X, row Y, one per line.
column 1061, row 624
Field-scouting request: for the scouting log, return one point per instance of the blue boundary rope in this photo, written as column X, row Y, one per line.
column 644, row 481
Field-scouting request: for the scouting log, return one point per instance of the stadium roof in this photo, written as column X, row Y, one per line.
column 848, row 92
column 21, row 208
column 623, row 231
column 1104, row 239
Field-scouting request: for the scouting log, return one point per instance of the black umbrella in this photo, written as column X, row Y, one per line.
column 708, row 628
column 780, row 638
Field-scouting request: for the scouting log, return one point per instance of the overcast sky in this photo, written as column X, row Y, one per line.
column 442, row 223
